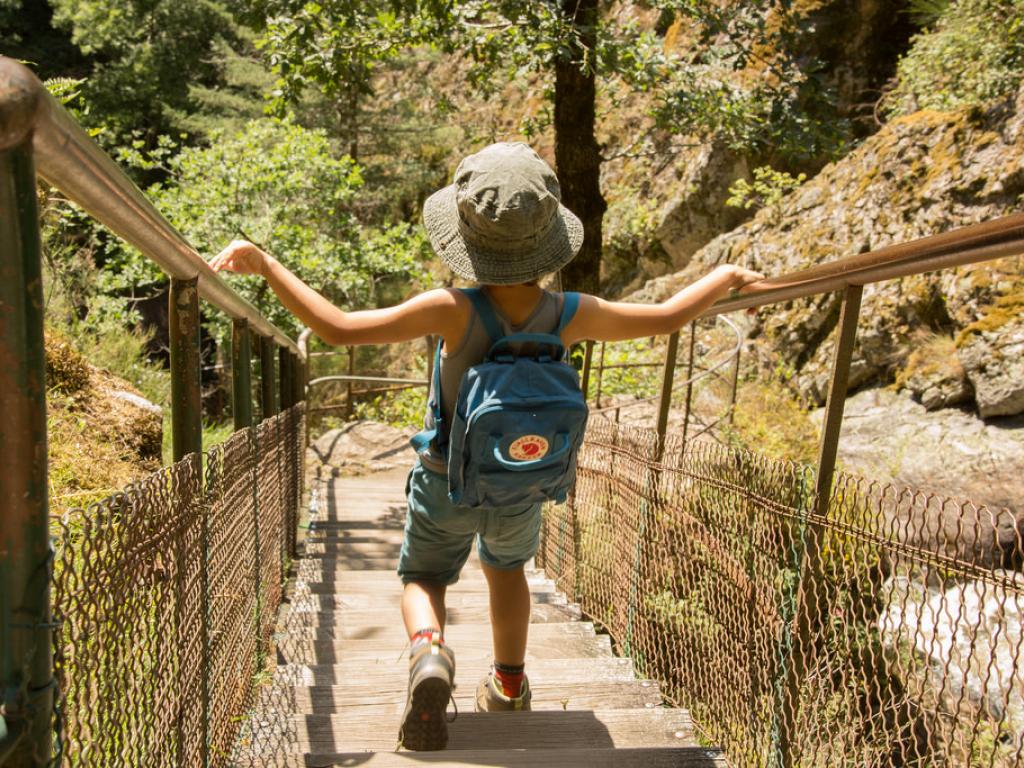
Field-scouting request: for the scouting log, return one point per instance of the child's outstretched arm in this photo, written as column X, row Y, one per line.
column 433, row 312
column 600, row 320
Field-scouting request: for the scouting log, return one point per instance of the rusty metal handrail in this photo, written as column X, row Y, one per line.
column 72, row 162
column 995, row 239
column 676, row 385
column 36, row 132
column 344, row 378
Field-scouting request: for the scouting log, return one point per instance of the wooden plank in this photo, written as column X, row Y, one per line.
column 348, row 732
column 301, row 651
column 356, row 535
column 356, row 561
column 374, row 696
column 393, row 632
column 394, row 671
column 390, row 602
column 321, row 569
column 353, row 585
column 540, row 613
column 682, row 757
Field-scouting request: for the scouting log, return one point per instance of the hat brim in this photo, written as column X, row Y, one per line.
column 471, row 262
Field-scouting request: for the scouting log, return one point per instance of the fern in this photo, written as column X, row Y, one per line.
column 64, row 89
column 924, row 13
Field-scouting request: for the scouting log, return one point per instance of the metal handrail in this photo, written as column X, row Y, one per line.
column 676, row 385
column 995, row 239
column 72, row 162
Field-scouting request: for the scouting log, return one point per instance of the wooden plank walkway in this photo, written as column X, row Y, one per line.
column 339, row 687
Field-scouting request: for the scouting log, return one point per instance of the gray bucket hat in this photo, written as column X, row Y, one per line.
column 501, row 221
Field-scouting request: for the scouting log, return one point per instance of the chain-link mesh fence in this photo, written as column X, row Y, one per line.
column 165, row 597
column 885, row 632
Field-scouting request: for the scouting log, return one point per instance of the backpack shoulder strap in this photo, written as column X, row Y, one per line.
column 485, row 312
column 570, row 303
column 421, row 440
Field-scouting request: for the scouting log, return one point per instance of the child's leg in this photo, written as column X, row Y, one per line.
column 423, row 606
column 510, row 613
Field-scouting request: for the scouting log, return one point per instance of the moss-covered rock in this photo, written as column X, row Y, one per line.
column 934, row 375
column 101, row 432
column 920, row 175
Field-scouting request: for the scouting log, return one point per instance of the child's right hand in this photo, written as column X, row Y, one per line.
column 242, row 257
column 743, row 278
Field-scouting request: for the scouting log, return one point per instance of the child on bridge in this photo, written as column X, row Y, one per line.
column 501, row 226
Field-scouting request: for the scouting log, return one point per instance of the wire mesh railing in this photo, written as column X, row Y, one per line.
column 885, row 632
column 165, row 596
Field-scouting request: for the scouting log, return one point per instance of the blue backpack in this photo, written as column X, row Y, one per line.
column 519, row 419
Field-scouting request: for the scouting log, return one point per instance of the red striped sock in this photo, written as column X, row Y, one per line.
column 426, row 634
column 509, row 678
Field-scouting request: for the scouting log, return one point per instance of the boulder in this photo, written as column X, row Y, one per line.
column 129, row 419
column 697, row 212
column 992, row 353
column 365, row 446
column 965, row 643
column 953, row 456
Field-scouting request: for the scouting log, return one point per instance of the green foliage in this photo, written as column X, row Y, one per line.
column 747, row 81
column 146, row 55
column 770, row 421
column 972, row 55
column 639, row 382
column 924, row 13
column 277, row 184
column 401, row 409
column 767, row 189
column 334, row 45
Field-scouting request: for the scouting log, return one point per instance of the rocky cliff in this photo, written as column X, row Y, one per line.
column 950, row 337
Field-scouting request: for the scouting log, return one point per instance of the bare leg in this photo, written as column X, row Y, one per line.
column 423, row 606
column 510, row 613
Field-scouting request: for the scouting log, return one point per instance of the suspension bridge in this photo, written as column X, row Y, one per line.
column 694, row 604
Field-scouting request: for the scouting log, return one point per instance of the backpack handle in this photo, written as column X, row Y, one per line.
column 556, row 350
column 523, row 466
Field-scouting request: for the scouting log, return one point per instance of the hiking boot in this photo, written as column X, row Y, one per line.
column 431, row 679
column 490, row 698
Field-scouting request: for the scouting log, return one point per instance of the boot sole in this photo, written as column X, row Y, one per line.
column 424, row 727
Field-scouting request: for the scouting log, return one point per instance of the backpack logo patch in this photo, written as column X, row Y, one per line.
column 528, row 448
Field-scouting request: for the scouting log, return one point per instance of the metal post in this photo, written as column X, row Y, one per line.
column 665, row 401
column 600, row 380
column 735, row 384
column 352, row 371
column 689, row 381
column 187, row 438
column 295, row 374
column 186, row 403
column 268, row 392
column 809, row 599
column 241, row 374
column 588, row 356
column 26, row 643
column 285, row 378
column 837, row 395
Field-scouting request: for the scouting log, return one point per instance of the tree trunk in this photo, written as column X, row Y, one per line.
column 577, row 154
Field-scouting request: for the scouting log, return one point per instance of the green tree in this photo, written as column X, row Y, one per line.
column 145, row 55
column 278, row 184
column 973, row 53
column 712, row 89
column 745, row 78
column 334, row 46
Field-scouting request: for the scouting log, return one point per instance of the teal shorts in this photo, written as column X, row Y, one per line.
column 439, row 535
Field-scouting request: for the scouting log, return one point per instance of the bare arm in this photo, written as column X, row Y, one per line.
column 601, row 320
column 434, row 312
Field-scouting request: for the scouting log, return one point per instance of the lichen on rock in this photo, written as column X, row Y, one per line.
column 920, row 175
